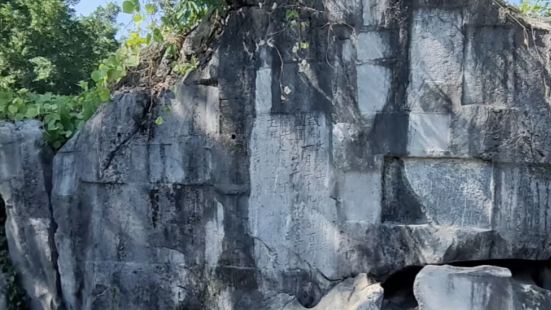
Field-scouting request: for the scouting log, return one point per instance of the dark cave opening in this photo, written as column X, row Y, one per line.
column 398, row 287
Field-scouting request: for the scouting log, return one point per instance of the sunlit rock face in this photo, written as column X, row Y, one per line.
column 25, row 175
column 483, row 287
column 312, row 159
column 400, row 136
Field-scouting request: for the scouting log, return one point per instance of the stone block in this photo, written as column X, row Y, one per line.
column 523, row 204
column 429, row 134
column 373, row 45
column 436, row 60
column 360, row 197
column 290, row 207
column 263, row 91
column 476, row 288
column 374, row 83
column 489, row 74
column 459, row 288
column 447, row 192
column 374, row 12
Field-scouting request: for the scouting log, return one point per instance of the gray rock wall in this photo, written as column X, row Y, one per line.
column 25, row 176
column 483, row 287
column 275, row 171
column 305, row 160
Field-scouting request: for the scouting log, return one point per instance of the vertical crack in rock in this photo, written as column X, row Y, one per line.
column 12, row 295
column 141, row 123
column 46, row 159
column 53, row 229
column 25, row 184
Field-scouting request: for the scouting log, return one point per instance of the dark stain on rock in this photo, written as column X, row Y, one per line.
column 154, row 203
column 309, row 294
column 400, row 203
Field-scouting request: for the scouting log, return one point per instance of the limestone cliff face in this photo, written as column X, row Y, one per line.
column 306, row 161
column 25, row 184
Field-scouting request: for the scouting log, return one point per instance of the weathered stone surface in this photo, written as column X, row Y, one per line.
column 436, row 60
column 375, row 12
column 392, row 143
column 489, row 50
column 351, row 294
column 373, row 88
column 398, row 136
column 479, row 288
column 25, row 175
column 3, row 292
column 429, row 134
column 468, row 201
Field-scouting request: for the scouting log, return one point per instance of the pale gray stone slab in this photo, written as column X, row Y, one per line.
column 436, row 60
column 429, row 134
column 477, row 288
column 374, row 82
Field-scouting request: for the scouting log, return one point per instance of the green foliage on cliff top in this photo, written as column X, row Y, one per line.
column 60, row 69
column 44, row 48
column 536, row 8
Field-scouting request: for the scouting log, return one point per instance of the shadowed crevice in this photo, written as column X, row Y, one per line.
column 15, row 297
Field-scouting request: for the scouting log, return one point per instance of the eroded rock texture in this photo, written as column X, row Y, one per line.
column 25, row 175
column 305, row 161
column 411, row 139
column 484, row 287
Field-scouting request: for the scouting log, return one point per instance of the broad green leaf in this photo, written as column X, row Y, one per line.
column 52, row 118
column 19, row 117
column 96, row 76
column 138, row 19
column 150, row 9
column 128, row 7
column 12, row 109
column 136, row 4
column 157, row 35
column 159, row 121
column 133, row 60
column 170, row 50
column 32, row 111
column 52, row 125
column 83, row 85
column 135, row 40
column 104, row 94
